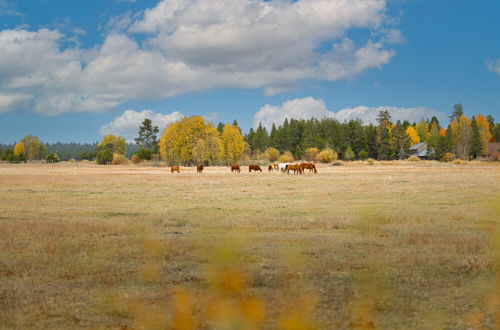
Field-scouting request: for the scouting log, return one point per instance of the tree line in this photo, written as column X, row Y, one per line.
column 193, row 141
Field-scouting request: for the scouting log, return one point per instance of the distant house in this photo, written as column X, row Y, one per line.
column 493, row 150
column 419, row 150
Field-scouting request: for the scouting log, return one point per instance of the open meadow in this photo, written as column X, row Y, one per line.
column 397, row 245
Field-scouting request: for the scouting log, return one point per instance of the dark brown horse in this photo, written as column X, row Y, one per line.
column 199, row 169
column 175, row 169
column 270, row 168
column 235, row 168
column 254, row 168
column 308, row 166
column 293, row 167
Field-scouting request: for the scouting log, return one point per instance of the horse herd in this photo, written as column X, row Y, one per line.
column 281, row 167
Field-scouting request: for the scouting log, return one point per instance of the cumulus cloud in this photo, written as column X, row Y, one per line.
column 307, row 108
column 493, row 66
column 193, row 45
column 127, row 125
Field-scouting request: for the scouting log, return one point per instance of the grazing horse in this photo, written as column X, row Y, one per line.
column 293, row 167
column 235, row 168
column 254, row 168
column 270, row 168
column 282, row 167
column 199, row 169
column 275, row 166
column 308, row 166
column 175, row 169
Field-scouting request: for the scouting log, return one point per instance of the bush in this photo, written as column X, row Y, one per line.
column 457, row 162
column 348, row 154
column 72, row 160
column 311, row 154
column 135, row 159
column 337, row 163
column 287, row 157
column 272, row 154
column 144, row 154
column 413, row 159
column 371, row 161
column 53, row 158
column 104, row 157
column 448, row 157
column 119, row 159
column 327, row 156
column 362, row 154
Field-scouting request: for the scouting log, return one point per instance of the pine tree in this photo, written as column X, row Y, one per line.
column 384, row 135
column 475, row 147
column 220, row 127
column 458, row 111
column 148, row 136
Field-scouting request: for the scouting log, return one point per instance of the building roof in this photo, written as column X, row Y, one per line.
column 419, row 146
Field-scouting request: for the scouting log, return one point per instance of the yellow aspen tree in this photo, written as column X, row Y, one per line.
column 442, row 132
column 214, row 144
column 179, row 141
column 485, row 135
column 232, row 143
column 412, row 133
column 19, row 149
column 422, row 129
column 115, row 143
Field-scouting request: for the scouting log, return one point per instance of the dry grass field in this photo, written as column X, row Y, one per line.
column 394, row 246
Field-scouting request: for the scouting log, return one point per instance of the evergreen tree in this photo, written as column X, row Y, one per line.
column 433, row 140
column 371, row 137
column 273, row 137
column 249, row 138
column 220, row 127
column 235, row 124
column 400, row 141
column 148, row 136
column 458, row 111
column 384, row 135
column 476, row 145
column 436, row 121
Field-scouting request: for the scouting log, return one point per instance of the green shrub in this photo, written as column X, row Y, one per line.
column 348, row 154
column 104, row 157
column 144, row 154
column 362, row 154
column 53, row 158
column 371, row 161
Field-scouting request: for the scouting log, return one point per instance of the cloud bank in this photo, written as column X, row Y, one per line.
column 193, row 45
column 307, row 108
column 127, row 125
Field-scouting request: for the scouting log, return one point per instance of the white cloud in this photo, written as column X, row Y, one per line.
column 127, row 125
column 190, row 46
column 307, row 108
column 493, row 66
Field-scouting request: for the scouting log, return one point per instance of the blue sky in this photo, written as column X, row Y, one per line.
column 71, row 72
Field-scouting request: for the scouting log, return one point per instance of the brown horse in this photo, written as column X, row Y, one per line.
column 235, row 168
column 175, row 169
column 275, row 166
column 199, row 169
column 270, row 168
column 308, row 166
column 293, row 167
column 254, row 168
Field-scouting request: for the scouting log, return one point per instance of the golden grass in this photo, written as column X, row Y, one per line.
column 397, row 246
